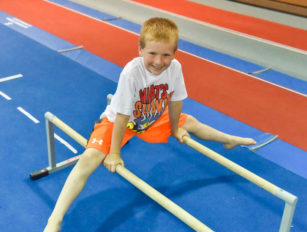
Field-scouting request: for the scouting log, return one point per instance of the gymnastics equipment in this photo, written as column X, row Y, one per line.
column 290, row 199
column 173, row 208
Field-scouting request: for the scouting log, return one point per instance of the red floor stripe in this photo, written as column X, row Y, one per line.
column 254, row 102
column 97, row 37
column 261, row 105
column 264, row 29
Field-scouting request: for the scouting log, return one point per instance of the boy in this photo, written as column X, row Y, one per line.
column 147, row 104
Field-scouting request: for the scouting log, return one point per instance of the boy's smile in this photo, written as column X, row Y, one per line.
column 157, row 55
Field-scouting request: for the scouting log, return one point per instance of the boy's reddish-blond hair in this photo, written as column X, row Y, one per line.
column 159, row 29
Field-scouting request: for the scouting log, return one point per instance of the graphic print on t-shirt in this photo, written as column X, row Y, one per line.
column 151, row 105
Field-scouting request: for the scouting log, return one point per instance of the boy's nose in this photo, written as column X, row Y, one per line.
column 158, row 60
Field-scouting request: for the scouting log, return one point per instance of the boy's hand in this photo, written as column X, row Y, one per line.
column 112, row 160
column 180, row 133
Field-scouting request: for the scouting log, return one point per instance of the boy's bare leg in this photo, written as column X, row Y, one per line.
column 74, row 184
column 205, row 132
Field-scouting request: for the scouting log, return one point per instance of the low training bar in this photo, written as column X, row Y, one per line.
column 173, row 208
column 273, row 189
column 290, row 199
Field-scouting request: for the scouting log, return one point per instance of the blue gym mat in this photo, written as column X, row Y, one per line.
column 77, row 95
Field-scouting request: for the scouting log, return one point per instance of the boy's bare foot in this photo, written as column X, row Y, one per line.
column 235, row 141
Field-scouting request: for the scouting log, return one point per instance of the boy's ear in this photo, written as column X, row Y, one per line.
column 140, row 50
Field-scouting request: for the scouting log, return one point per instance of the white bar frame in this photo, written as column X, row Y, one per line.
column 289, row 199
column 166, row 203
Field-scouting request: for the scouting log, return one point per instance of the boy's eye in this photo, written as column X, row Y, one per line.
column 164, row 55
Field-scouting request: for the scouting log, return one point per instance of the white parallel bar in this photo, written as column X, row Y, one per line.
column 5, row 96
column 290, row 199
column 65, row 143
column 166, row 203
column 27, row 114
column 266, row 185
column 10, row 77
column 176, row 210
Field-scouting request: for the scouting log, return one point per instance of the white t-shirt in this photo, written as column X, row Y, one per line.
column 144, row 96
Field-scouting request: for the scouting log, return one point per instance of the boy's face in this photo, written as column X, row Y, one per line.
column 157, row 55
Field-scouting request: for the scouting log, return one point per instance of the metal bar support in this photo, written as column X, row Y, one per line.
column 290, row 199
column 159, row 198
column 50, row 144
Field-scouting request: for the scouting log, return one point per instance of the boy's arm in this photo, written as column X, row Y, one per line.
column 174, row 115
column 113, row 159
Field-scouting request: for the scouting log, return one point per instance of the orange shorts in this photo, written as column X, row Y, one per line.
column 159, row 132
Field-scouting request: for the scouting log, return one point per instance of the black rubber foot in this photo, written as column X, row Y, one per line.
column 39, row 174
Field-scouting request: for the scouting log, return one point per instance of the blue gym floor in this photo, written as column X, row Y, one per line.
column 73, row 90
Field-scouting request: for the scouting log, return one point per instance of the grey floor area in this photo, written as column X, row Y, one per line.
column 279, row 57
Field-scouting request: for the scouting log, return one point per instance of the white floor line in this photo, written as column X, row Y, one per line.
column 26, row 25
column 65, row 143
column 5, row 96
column 27, row 114
column 10, row 77
column 18, row 22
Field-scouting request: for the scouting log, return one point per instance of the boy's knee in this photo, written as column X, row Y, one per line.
column 191, row 124
column 92, row 156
